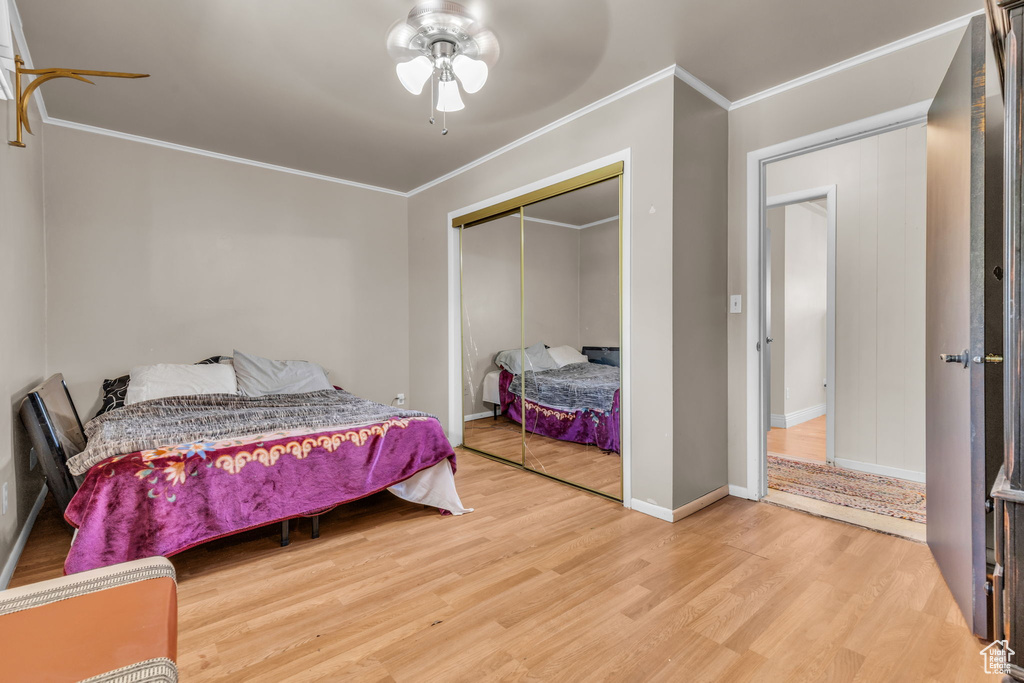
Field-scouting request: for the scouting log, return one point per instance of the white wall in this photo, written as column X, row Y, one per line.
column 806, row 294
column 880, row 291
column 156, row 255
column 899, row 79
column 23, row 309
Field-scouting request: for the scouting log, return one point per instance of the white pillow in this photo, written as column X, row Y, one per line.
column 258, row 376
column 566, row 355
column 148, row 382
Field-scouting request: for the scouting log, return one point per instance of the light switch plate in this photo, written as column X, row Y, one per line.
column 736, row 303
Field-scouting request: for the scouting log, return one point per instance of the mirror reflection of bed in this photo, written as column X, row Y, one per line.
column 541, row 334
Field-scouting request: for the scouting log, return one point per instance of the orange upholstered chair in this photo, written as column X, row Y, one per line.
column 114, row 624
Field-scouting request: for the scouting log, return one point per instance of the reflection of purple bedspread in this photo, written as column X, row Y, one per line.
column 596, row 427
column 164, row 501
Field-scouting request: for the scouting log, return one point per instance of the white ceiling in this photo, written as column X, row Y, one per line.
column 308, row 84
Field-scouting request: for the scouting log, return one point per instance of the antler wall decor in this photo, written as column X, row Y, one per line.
column 42, row 76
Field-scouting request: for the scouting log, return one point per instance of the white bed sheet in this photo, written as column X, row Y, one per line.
column 491, row 394
column 434, row 486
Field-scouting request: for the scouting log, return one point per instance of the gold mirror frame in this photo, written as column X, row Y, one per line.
column 512, row 207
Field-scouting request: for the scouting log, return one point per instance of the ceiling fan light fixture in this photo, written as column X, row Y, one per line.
column 415, row 73
column 442, row 40
column 471, row 72
column 448, row 97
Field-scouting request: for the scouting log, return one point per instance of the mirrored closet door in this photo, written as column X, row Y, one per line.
column 541, row 302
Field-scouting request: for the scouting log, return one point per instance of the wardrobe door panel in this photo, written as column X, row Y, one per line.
column 569, row 389
column 492, row 352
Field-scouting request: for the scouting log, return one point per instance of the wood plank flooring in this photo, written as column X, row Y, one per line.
column 806, row 440
column 547, row 583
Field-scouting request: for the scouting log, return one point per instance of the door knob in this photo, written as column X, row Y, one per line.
column 988, row 358
column 961, row 358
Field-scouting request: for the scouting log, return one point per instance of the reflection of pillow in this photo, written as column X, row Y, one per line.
column 260, row 376
column 149, row 382
column 566, row 355
column 511, row 360
column 537, row 358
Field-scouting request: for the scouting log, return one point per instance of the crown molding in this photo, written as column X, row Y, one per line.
column 703, row 88
column 864, row 57
column 61, row 123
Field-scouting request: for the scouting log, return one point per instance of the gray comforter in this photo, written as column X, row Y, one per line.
column 577, row 386
column 211, row 417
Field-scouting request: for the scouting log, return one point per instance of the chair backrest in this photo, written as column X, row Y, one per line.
column 56, row 433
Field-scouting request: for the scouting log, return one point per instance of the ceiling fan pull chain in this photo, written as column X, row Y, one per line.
column 431, row 99
column 444, row 122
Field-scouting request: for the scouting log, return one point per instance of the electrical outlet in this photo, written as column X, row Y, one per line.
column 400, row 399
column 33, row 460
column 4, row 512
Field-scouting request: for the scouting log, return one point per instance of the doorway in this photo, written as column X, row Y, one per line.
column 844, row 282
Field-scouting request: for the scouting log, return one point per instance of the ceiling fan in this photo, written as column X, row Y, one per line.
column 442, row 41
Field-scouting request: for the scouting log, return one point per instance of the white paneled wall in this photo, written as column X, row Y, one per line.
column 880, row 279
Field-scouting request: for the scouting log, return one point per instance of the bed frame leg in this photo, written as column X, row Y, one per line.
column 495, row 409
column 284, row 533
column 316, row 526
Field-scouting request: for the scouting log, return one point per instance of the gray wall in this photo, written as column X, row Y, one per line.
column 23, row 309
column 699, row 297
column 599, row 285
column 157, row 255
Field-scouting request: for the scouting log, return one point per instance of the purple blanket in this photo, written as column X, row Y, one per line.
column 164, row 501
column 597, row 427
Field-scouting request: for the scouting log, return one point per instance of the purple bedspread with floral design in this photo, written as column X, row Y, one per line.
column 164, row 501
column 597, row 427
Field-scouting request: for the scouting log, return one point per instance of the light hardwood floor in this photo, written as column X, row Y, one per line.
column 545, row 582
column 806, row 440
column 581, row 464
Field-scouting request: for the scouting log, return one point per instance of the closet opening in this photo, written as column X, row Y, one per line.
column 540, row 303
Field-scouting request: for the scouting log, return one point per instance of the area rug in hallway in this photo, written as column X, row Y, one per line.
column 871, row 492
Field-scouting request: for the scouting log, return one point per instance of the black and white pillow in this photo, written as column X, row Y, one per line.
column 114, row 391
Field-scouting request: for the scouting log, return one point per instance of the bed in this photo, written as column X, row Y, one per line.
column 578, row 402
column 164, row 475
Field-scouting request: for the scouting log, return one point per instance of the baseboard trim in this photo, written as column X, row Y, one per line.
column 798, row 416
column 19, row 545
column 679, row 513
column 884, row 470
column 701, row 503
column 740, row 492
column 651, row 509
column 478, row 416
